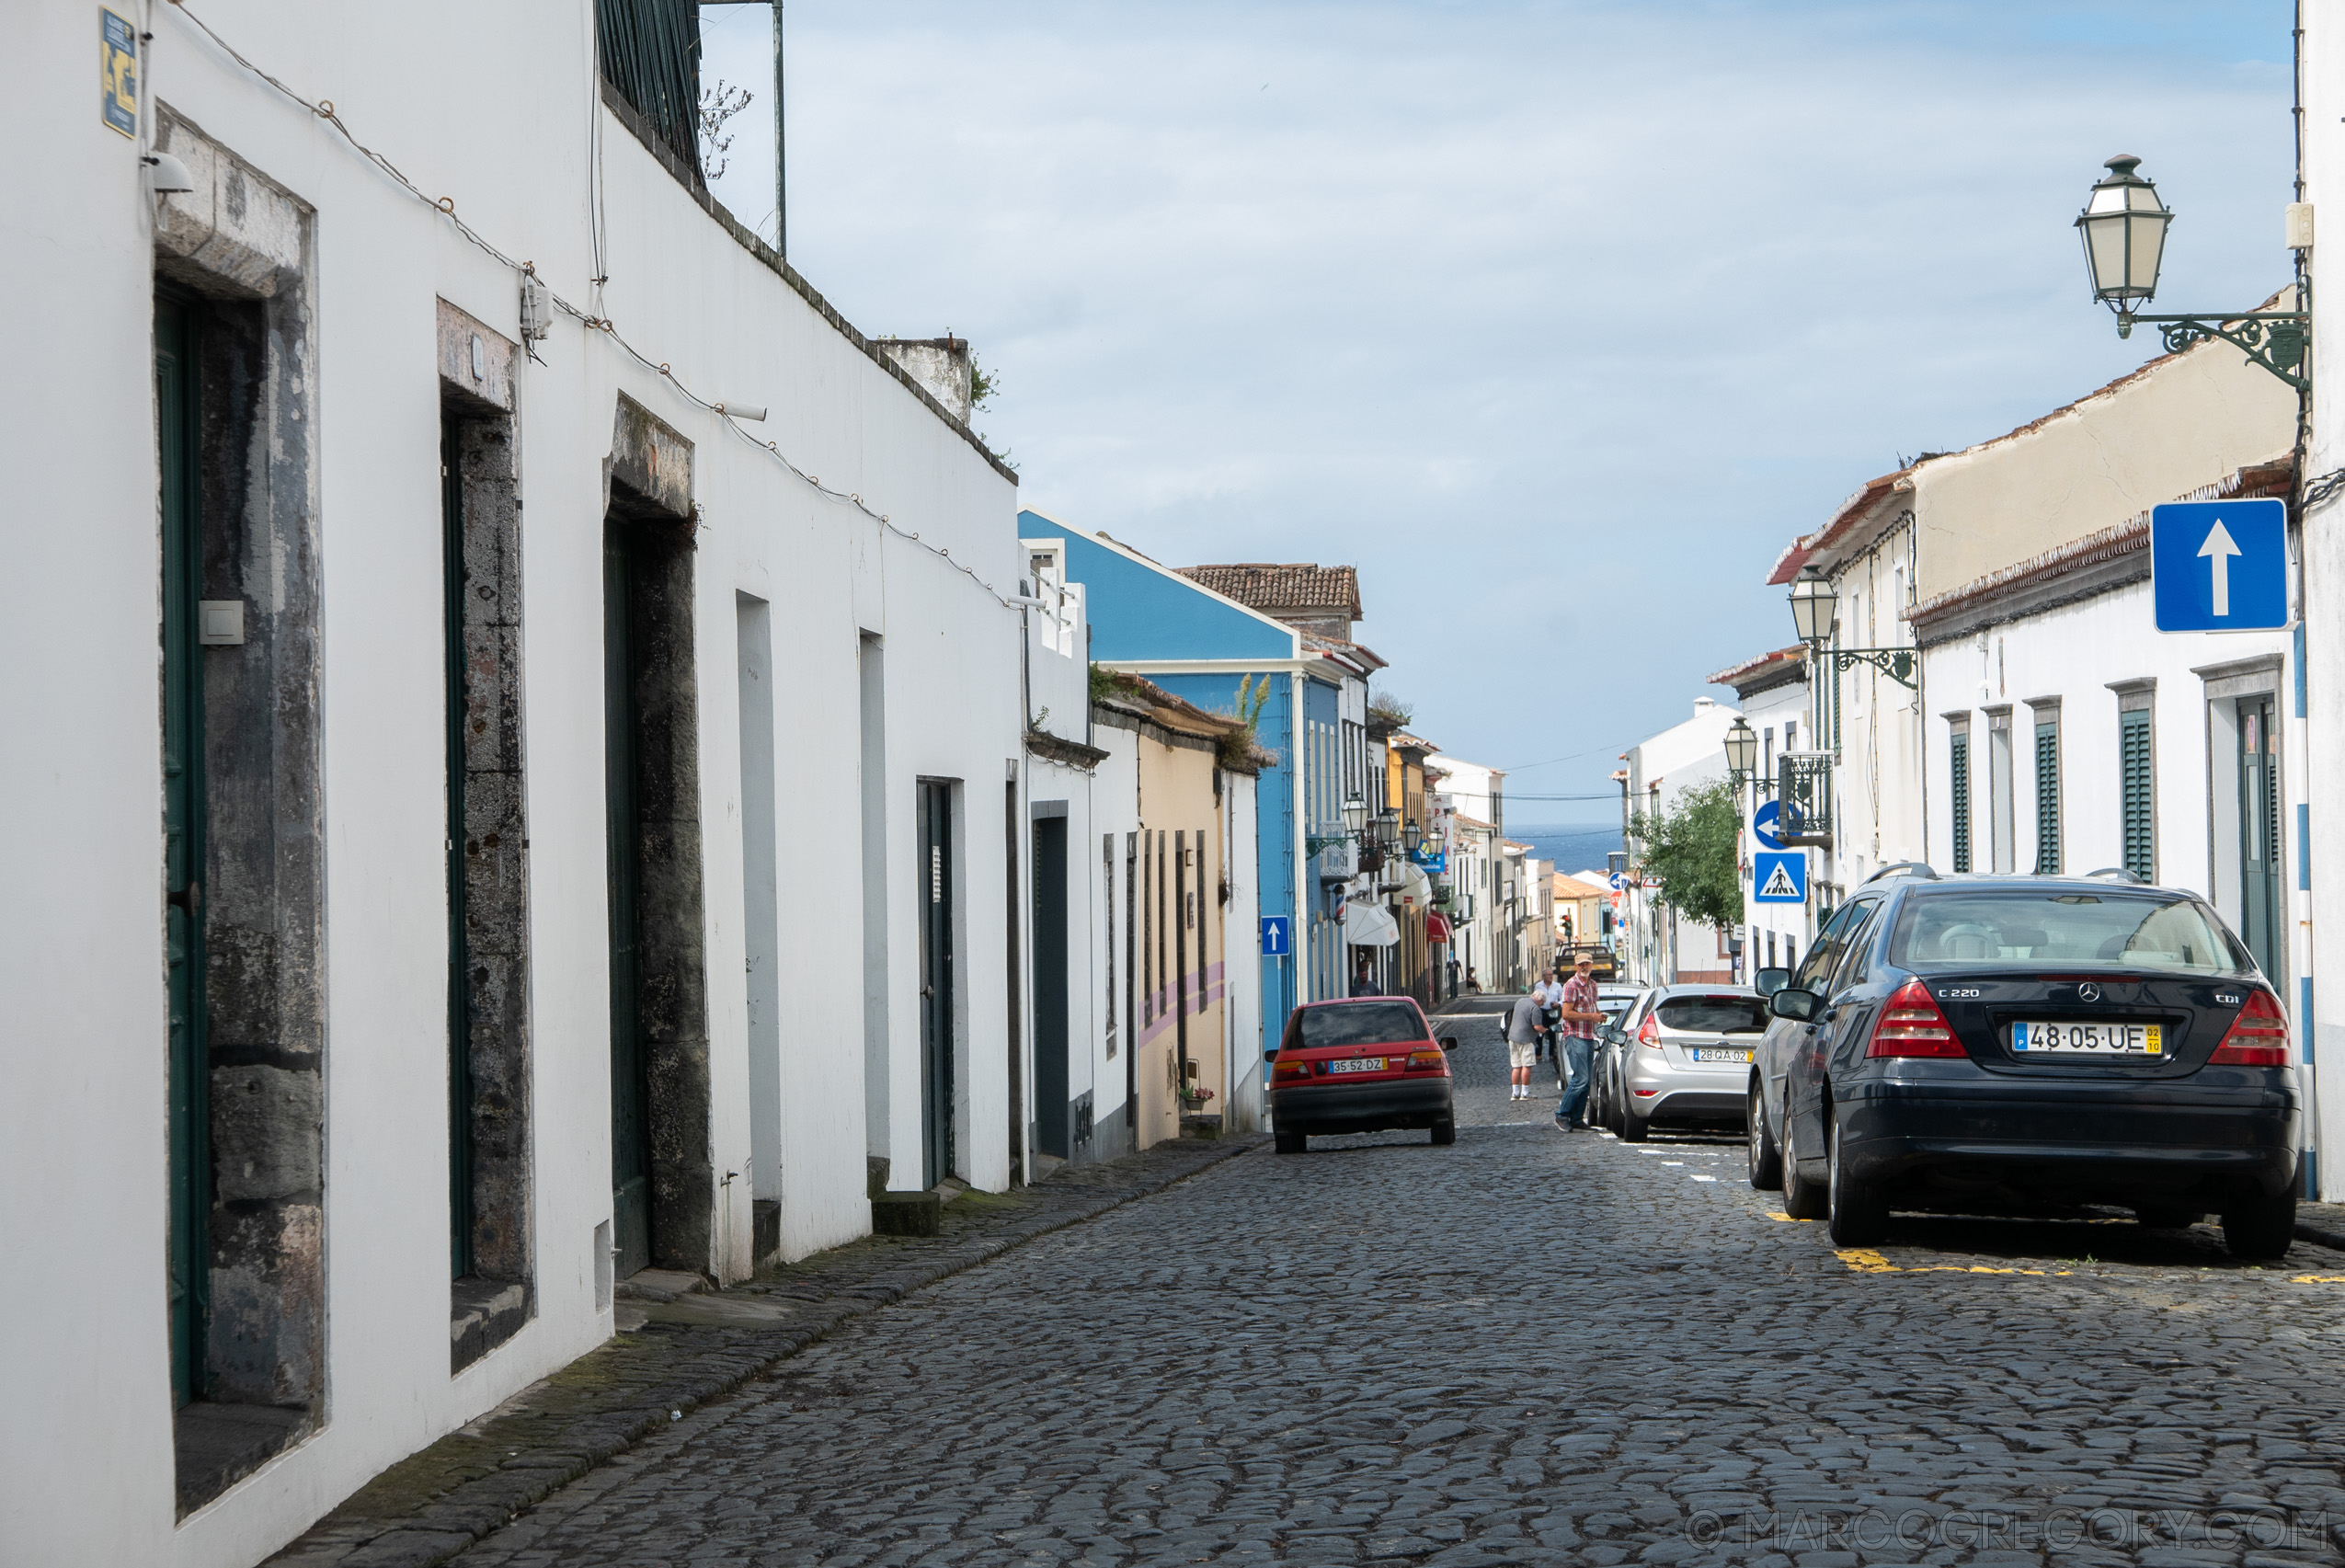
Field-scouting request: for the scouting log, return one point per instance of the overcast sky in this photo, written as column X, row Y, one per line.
column 1558, row 320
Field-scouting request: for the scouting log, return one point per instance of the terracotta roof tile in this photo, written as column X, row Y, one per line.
column 1272, row 588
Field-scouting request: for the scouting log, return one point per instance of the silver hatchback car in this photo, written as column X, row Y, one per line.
column 1688, row 1062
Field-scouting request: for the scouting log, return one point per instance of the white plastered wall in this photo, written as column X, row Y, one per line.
column 86, row 1462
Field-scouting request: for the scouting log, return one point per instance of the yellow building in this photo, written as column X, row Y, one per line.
column 1173, row 800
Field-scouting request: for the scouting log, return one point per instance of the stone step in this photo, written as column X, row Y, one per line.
column 659, row 1285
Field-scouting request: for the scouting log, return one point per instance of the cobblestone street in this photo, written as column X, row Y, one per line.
column 1531, row 1346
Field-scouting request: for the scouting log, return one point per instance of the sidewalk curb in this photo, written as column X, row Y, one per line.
column 2320, row 1236
column 438, row 1502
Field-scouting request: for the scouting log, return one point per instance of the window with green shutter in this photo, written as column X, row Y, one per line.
column 2048, row 796
column 2135, row 799
column 1960, row 770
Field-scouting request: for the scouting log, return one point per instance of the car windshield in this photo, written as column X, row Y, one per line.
column 2023, row 925
column 1714, row 1014
column 1359, row 1023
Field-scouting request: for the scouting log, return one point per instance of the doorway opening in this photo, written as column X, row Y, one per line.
column 937, row 895
column 1050, row 1065
column 243, row 883
column 663, row 1190
column 2258, row 784
column 489, row 1176
column 761, row 919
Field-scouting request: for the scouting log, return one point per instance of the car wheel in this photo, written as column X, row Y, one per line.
column 1766, row 1160
column 1859, row 1216
column 1445, row 1131
column 1288, row 1141
column 2167, row 1217
column 1803, row 1199
column 2261, row 1229
column 1634, row 1127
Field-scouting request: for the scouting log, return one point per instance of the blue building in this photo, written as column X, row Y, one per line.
column 1200, row 645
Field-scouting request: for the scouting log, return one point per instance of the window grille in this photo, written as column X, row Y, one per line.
column 2135, row 790
column 650, row 51
column 2048, row 797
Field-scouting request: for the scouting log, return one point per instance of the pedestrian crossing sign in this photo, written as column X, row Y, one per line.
column 1779, row 878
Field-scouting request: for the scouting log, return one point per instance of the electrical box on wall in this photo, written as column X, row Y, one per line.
column 220, row 622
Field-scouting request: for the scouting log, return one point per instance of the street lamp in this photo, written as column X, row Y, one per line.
column 1355, row 814
column 1815, row 606
column 2123, row 227
column 1742, row 750
column 1815, row 610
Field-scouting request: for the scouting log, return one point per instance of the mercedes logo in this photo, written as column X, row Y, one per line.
column 2088, row 992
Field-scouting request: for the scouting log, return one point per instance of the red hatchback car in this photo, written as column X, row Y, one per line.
column 1361, row 1065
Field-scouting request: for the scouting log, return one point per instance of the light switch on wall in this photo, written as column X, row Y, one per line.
column 220, row 622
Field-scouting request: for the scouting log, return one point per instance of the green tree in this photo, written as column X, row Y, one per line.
column 1689, row 848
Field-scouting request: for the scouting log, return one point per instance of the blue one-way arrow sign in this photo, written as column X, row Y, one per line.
column 2220, row 565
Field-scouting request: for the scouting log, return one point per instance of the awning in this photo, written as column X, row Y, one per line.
column 1368, row 925
column 1436, row 927
column 1416, row 885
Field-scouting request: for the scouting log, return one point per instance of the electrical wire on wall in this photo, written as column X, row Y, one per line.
column 594, row 324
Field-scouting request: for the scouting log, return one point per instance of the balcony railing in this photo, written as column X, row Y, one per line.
column 650, row 52
column 1804, row 785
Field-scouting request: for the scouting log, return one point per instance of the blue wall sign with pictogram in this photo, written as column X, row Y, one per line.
column 1274, row 941
column 1766, row 825
column 1779, row 878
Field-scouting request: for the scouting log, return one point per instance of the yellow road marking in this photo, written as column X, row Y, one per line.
column 2317, row 1279
column 1865, row 1260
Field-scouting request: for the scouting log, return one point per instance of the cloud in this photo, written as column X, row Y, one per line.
column 1558, row 320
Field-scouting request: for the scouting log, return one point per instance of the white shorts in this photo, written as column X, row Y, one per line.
column 1521, row 1053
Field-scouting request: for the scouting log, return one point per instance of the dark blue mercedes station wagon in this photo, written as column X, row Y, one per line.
column 2024, row 1045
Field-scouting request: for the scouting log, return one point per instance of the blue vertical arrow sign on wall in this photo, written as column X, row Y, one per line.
column 2220, row 565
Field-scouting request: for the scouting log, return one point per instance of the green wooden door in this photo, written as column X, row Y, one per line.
column 2260, row 834
column 183, row 840
column 1053, row 1134
column 630, row 1097
column 936, row 980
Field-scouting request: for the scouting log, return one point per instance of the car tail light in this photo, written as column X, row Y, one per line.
column 1420, row 1060
column 2257, row 1036
column 1288, row 1071
column 1649, row 1033
column 1912, row 1026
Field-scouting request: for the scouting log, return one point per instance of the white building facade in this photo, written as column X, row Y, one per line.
column 446, row 907
column 1774, row 693
column 1657, row 945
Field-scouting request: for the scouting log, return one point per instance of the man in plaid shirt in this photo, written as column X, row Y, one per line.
column 1581, row 1013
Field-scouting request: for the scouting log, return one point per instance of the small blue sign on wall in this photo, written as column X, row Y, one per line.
column 1766, row 823
column 1779, row 878
column 117, row 73
column 1275, row 943
column 2220, row 565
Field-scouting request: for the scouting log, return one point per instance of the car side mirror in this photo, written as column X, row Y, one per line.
column 1790, row 1002
column 1270, row 1053
column 1448, row 1042
column 1766, row 982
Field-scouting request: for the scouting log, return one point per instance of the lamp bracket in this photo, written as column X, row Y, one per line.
column 1897, row 663
column 2272, row 338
